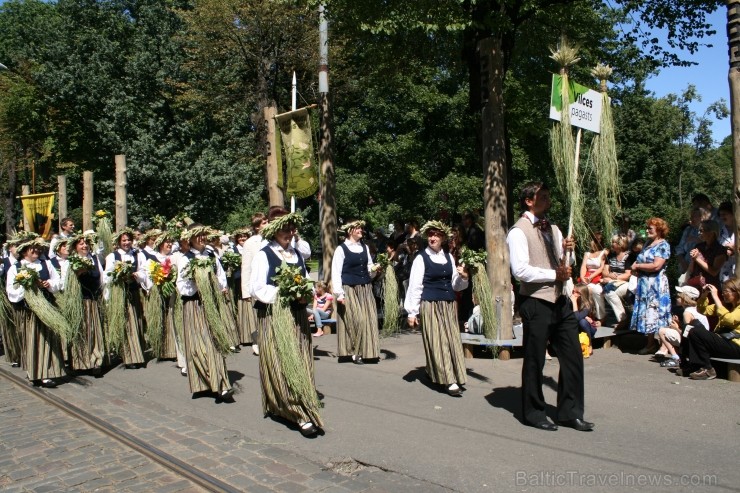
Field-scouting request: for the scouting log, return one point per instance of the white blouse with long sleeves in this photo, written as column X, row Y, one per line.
column 16, row 293
column 141, row 275
column 187, row 287
column 337, row 264
column 261, row 290
column 251, row 247
column 416, row 279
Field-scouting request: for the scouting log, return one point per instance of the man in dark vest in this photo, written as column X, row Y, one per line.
column 536, row 253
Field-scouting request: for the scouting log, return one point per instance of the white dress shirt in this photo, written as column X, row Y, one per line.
column 416, row 279
column 261, row 290
column 251, row 247
column 187, row 287
column 337, row 264
column 519, row 254
column 16, row 293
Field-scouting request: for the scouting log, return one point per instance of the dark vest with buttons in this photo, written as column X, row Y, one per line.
column 90, row 281
column 274, row 262
column 437, row 284
column 132, row 287
column 149, row 256
column 354, row 269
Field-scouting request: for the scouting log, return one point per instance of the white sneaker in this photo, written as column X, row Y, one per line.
column 256, row 349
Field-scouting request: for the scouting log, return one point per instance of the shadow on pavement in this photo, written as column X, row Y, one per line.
column 420, row 374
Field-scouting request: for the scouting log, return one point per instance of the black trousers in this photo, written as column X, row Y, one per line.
column 704, row 344
column 555, row 322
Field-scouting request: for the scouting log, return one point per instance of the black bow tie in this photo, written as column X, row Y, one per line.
column 543, row 224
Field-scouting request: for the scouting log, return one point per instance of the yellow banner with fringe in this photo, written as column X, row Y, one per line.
column 37, row 212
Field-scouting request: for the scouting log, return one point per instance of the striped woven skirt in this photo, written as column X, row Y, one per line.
column 18, row 317
column 11, row 337
column 246, row 320
column 357, row 323
column 230, row 319
column 277, row 399
column 442, row 345
column 90, row 352
column 43, row 348
column 133, row 343
column 168, row 349
column 206, row 366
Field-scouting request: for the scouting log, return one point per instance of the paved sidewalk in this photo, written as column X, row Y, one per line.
column 44, row 449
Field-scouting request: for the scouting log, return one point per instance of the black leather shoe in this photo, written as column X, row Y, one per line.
column 577, row 424
column 48, row 383
column 308, row 431
column 358, row 361
column 544, row 425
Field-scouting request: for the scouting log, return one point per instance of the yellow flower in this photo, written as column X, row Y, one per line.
column 298, row 279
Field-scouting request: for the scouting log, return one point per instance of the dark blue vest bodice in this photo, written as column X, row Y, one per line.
column 354, row 269
column 437, row 279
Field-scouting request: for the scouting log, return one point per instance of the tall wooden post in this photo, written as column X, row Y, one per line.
column 495, row 201
column 733, row 38
column 25, row 190
column 62, row 204
column 274, row 192
column 87, row 200
column 121, row 188
column 327, row 177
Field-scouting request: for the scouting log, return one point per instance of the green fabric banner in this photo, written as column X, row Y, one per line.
column 294, row 130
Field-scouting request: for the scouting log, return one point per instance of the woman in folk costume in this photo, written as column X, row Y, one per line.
column 89, row 352
column 431, row 297
column 32, row 301
column 11, row 334
column 286, row 355
column 183, row 245
column 160, row 302
column 147, row 243
column 249, row 250
column 352, row 270
column 201, row 284
column 244, row 310
column 125, row 273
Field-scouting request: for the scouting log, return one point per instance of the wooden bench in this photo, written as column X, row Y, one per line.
column 327, row 323
column 469, row 340
column 608, row 332
column 733, row 368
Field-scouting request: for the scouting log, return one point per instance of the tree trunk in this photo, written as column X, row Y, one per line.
column 121, row 188
column 493, row 158
column 328, row 189
column 733, row 36
column 87, row 200
column 10, row 198
column 62, row 204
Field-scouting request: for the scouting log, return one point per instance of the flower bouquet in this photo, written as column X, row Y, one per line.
column 231, row 261
column 292, row 285
column 164, row 276
column 50, row 315
column 122, row 272
column 391, row 304
column 80, row 265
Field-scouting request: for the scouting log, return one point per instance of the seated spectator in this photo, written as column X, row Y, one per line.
column 614, row 279
column 583, row 308
column 681, row 324
column 592, row 268
column 690, row 237
column 322, row 307
column 724, row 341
column 727, row 240
column 474, row 325
column 707, row 258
